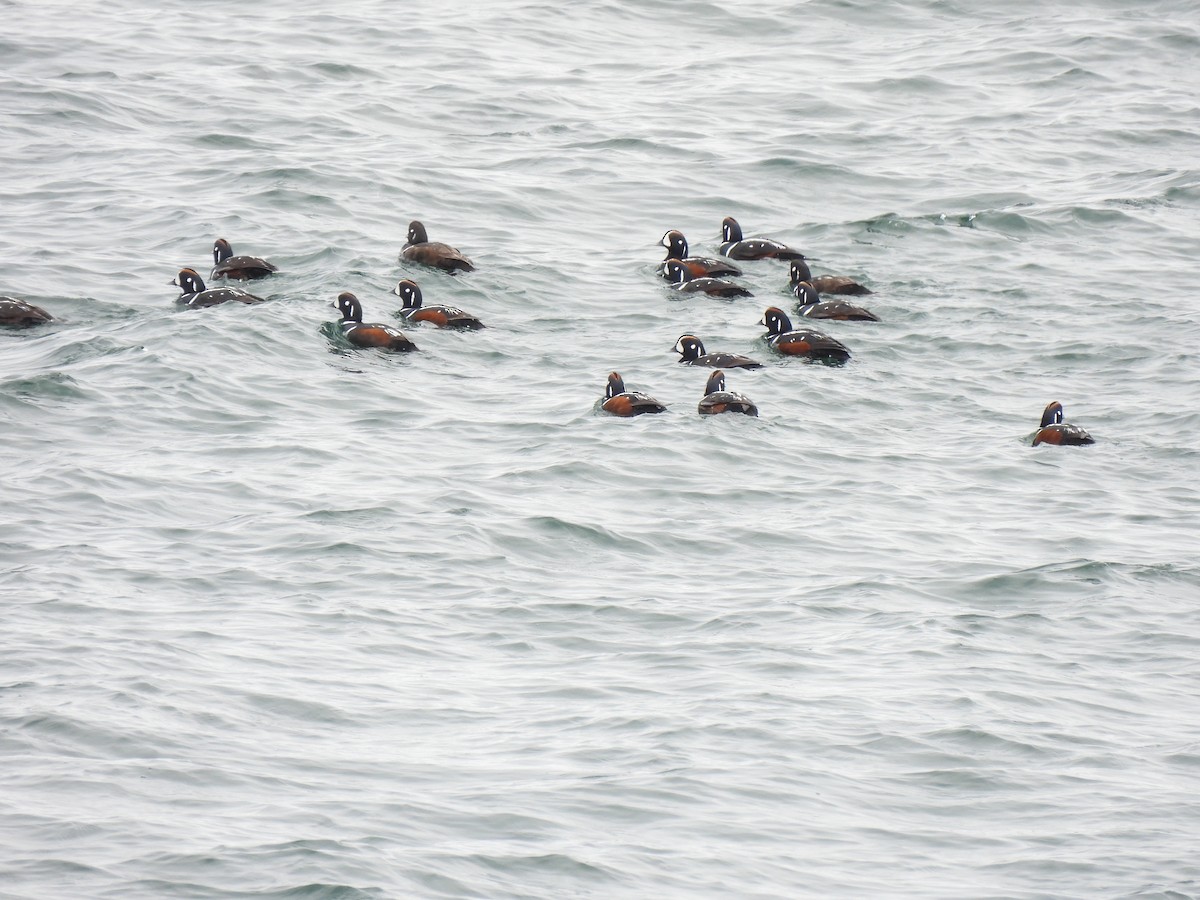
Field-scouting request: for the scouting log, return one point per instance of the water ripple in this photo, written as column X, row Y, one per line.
column 289, row 618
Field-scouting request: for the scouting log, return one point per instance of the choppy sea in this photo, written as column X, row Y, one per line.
column 284, row 618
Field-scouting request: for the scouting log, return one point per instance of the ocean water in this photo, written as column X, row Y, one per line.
column 283, row 618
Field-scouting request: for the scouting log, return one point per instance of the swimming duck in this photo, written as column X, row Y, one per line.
column 802, row 341
column 197, row 296
column 811, row 306
column 826, row 284
column 683, row 280
column 420, row 249
column 699, row 266
column 441, row 316
column 691, row 353
column 371, row 334
column 621, row 402
column 735, row 246
column 16, row 313
column 226, row 265
column 1053, row 430
column 718, row 400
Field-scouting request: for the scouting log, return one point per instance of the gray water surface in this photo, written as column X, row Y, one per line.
column 285, row 618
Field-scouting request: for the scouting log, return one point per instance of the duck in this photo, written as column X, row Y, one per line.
column 718, row 400
column 370, row 334
column 242, row 268
column 699, row 266
column 621, row 402
column 691, row 353
column 420, row 249
column 1053, row 430
column 735, row 246
column 826, row 284
column 801, row 342
column 683, row 280
column 441, row 316
column 813, row 307
column 196, row 296
column 16, row 313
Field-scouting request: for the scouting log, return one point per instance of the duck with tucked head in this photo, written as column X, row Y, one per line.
column 16, row 313
column 684, row 281
column 196, row 296
column 371, row 334
column 420, row 249
column 811, row 306
column 691, row 353
column 826, row 284
column 735, row 246
column 621, row 402
column 718, row 400
column 442, row 316
column 1053, row 430
column 805, row 342
column 242, row 268
column 699, row 266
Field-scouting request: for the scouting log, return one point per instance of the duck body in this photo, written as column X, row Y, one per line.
column 811, row 306
column 735, row 246
column 826, row 284
column 414, row 310
column 717, row 400
column 368, row 334
column 620, row 402
column 805, row 342
column 16, row 313
column 691, row 353
column 196, row 296
column 240, row 268
column 1052, row 430
column 683, row 280
column 697, row 266
column 421, row 250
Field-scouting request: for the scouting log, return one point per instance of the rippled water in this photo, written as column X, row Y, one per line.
column 283, row 618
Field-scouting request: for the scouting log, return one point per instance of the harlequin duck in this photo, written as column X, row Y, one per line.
column 16, row 313
column 813, row 307
column 691, row 353
column 683, row 280
column 735, row 246
column 441, row 316
column 699, row 266
column 242, row 268
column 368, row 335
column 826, row 284
column 420, row 249
column 718, row 400
column 197, row 296
column 801, row 342
column 1053, row 431
column 621, row 402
